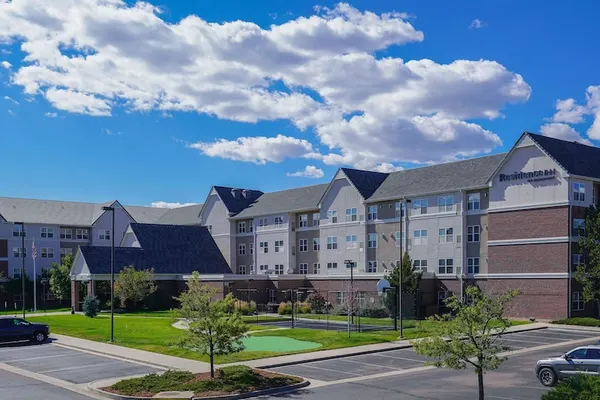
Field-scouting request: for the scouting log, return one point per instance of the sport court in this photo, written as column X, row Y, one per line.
column 324, row 324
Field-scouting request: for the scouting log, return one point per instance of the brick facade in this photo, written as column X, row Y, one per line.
column 528, row 258
column 528, row 224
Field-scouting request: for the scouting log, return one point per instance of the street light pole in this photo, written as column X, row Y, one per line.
column 403, row 207
column 22, row 254
column 112, row 274
column 349, row 263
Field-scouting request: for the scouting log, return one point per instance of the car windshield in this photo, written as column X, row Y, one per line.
column 577, row 354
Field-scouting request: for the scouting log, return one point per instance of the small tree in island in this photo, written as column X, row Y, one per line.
column 214, row 328
column 588, row 270
column 60, row 278
column 469, row 335
column 134, row 286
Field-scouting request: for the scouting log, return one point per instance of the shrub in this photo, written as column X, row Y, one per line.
column 91, row 306
column 284, row 308
column 373, row 311
column 252, row 307
column 234, row 372
column 578, row 387
column 245, row 308
column 578, row 321
column 153, row 383
column 303, row 308
column 317, row 303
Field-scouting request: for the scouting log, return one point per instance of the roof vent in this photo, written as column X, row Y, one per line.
column 236, row 193
column 246, row 194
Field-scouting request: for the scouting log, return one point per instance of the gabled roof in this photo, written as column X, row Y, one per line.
column 575, row 158
column 146, row 215
column 299, row 199
column 366, row 182
column 169, row 249
column 446, row 177
column 188, row 215
column 235, row 205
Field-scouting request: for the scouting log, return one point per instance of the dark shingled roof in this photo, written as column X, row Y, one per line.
column 438, row 178
column 576, row 158
column 169, row 249
column 366, row 182
column 304, row 198
column 235, row 205
column 188, row 215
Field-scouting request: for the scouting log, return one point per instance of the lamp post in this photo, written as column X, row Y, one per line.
column 403, row 208
column 44, row 282
column 112, row 274
column 22, row 254
column 350, row 264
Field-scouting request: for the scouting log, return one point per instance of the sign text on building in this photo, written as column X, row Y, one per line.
column 534, row 176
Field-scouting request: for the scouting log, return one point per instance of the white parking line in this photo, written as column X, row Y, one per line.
column 79, row 367
column 503, row 338
column 40, row 357
column 365, row 363
column 575, row 333
column 548, row 336
column 329, row 369
column 400, row 358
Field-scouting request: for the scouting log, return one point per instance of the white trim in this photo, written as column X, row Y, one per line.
column 508, row 242
column 307, row 228
column 220, row 235
column 528, row 206
column 393, row 220
column 421, row 195
column 476, row 212
column 245, row 234
column 434, row 215
column 540, row 275
column 279, row 229
column 343, row 223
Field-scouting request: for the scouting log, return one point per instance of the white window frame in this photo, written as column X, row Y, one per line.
column 17, row 252
column 316, row 244
column 420, row 265
column 264, row 246
column 279, row 270
column 332, row 243
column 473, row 233
column 473, row 265
column 332, row 216
column 303, row 268
column 446, row 203
column 372, row 267
column 47, row 232
column 473, row 201
column 447, row 269
column 264, row 267
column 82, row 234
column 241, row 227
column 353, row 242
column 351, row 214
column 421, row 237
column 303, row 221
column 279, row 248
column 446, row 235
column 316, row 268
column 421, row 205
column 372, row 213
column 316, row 218
column 65, row 251
column 242, row 249
column 399, row 209
column 577, row 302
column 47, row 252
column 579, row 192
column 278, row 221
column 263, row 222
column 372, row 240
column 17, row 230
column 66, row 233
column 332, row 265
column 303, row 245
column 576, row 227
column 242, row 269
column 251, row 248
column 577, row 258
column 104, row 234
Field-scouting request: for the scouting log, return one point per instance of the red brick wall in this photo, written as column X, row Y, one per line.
column 526, row 224
column 528, row 258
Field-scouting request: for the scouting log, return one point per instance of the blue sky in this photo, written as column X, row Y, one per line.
column 143, row 105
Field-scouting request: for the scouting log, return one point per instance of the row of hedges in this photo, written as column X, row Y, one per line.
column 579, row 321
column 245, row 308
column 285, row 308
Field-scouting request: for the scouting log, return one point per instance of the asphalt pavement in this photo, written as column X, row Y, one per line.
column 18, row 387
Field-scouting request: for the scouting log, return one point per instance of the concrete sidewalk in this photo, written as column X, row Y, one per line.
column 141, row 356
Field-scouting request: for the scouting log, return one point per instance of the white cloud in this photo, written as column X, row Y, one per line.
column 51, row 115
column 5, row 51
column 11, row 112
column 258, row 150
column 8, row 98
column 387, row 168
column 164, row 204
column 477, row 23
column 6, row 64
column 563, row 131
column 569, row 111
column 320, row 72
column 109, row 132
column 310, row 171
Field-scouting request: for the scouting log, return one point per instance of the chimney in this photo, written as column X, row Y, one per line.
column 235, row 193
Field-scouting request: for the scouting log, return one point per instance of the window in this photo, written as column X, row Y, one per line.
column 262, row 222
column 398, row 237
column 473, row 265
column 372, row 266
column 251, row 248
column 264, row 247
column 242, row 227
column 242, row 249
column 420, row 265
column 579, row 191
column 303, row 221
column 578, row 227
column 316, row 244
column 17, row 229
column 350, row 264
column 303, row 269
column 420, row 237
column 332, row 216
column 264, row 267
column 250, row 226
column 279, row 246
column 331, row 265
column 47, row 252
column 340, row 298
column 473, row 201
column 303, row 245
column 351, row 214
column 331, row 242
column 17, row 273
column 420, row 206
column 372, row 242
column 351, row 242
column 278, row 221
column 272, row 296
column 47, row 232
column 316, row 219
column 279, row 269
column 442, row 296
column 66, row 234
column 104, row 234
column 578, row 303
column 446, row 266
column 399, row 209
column 445, row 203
column 578, row 354
column 371, row 213
column 316, row 268
column 577, row 259
column 242, row 269
column 17, row 252
column 473, row 233
column 64, row 251
column 82, row 234
column 446, row 235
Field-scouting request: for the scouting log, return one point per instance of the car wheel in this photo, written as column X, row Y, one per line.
column 40, row 337
column 547, row 376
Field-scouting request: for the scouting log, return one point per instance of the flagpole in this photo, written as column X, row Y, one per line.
column 34, row 255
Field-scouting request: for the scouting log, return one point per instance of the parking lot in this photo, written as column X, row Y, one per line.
column 405, row 359
column 67, row 364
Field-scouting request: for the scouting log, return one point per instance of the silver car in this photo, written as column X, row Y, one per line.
column 585, row 360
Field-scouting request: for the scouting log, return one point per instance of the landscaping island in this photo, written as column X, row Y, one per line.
column 233, row 380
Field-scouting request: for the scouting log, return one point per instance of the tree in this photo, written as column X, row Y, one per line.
column 60, row 278
column 134, row 286
column 588, row 271
column 91, row 306
column 468, row 336
column 318, row 303
column 411, row 278
column 212, row 328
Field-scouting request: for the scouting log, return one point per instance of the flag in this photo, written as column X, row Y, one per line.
column 33, row 250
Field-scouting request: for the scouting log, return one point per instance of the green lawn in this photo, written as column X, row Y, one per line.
column 39, row 311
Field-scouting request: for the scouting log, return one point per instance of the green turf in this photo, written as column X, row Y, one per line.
column 278, row 344
column 17, row 313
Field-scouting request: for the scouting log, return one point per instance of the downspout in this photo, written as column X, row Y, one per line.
column 569, row 261
column 463, row 245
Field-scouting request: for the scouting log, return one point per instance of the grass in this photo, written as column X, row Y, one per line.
column 584, row 321
column 228, row 380
column 39, row 311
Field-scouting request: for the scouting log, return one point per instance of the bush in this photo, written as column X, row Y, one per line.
column 317, row 303
column 245, row 308
column 578, row 387
column 235, row 372
column 304, row 308
column 91, row 306
column 578, row 321
column 373, row 311
column 153, row 383
column 284, row 308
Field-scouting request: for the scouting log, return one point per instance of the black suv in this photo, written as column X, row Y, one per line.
column 14, row 329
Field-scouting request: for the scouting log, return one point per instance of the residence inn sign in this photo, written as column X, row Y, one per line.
column 534, row 176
